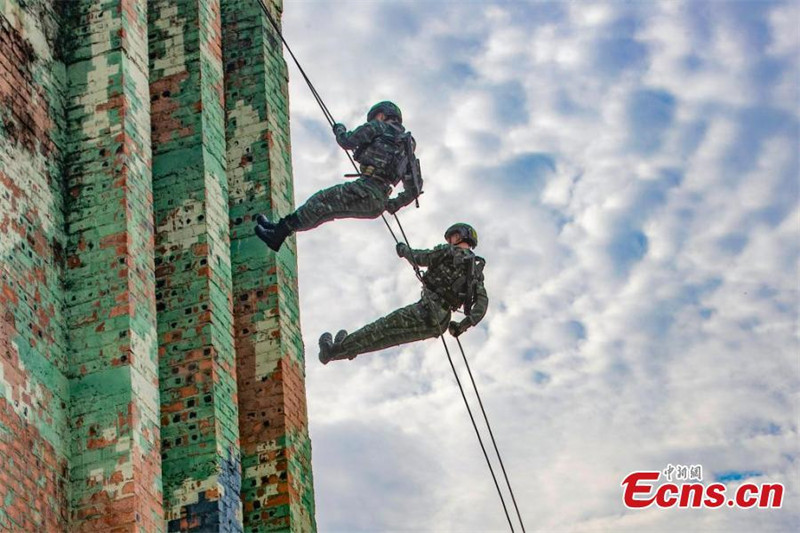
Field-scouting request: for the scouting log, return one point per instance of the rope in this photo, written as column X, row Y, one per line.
column 331, row 122
column 491, row 434
column 477, row 433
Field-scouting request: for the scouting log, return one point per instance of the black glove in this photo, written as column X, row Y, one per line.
column 392, row 206
column 402, row 249
column 338, row 129
column 457, row 328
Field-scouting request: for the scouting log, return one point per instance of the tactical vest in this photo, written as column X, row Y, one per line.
column 384, row 152
column 453, row 277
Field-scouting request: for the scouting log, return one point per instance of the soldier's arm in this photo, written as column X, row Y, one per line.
column 350, row 140
column 480, row 306
column 421, row 258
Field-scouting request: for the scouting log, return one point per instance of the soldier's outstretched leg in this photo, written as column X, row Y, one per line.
column 414, row 322
column 362, row 198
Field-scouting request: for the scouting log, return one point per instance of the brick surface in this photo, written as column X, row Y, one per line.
column 277, row 483
column 200, row 433
column 115, row 469
column 33, row 354
column 151, row 362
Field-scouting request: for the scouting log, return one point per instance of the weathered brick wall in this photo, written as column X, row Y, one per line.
column 115, row 468
column 200, row 431
column 33, row 354
column 143, row 328
column 276, row 451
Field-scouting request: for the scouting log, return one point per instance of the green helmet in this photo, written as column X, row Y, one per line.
column 467, row 233
column 387, row 108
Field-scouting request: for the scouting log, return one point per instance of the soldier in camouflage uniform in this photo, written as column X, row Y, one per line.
column 454, row 278
column 380, row 149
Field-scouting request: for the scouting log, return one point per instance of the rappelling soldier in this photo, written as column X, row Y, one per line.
column 453, row 280
column 385, row 153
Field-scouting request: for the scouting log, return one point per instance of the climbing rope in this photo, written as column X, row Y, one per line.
column 329, row 117
column 491, row 433
column 475, row 426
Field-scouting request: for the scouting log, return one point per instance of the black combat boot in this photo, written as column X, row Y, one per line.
column 330, row 349
column 325, row 348
column 275, row 237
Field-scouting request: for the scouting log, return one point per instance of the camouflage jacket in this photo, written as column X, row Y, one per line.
column 446, row 277
column 374, row 145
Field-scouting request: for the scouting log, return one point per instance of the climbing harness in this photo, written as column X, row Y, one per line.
column 331, row 122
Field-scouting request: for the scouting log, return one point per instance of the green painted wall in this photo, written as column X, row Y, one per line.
column 151, row 363
column 277, row 485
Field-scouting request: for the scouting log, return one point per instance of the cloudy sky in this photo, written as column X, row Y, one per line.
column 632, row 170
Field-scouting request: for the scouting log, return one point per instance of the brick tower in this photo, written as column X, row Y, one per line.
column 151, row 362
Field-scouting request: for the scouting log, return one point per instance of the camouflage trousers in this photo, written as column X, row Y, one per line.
column 421, row 320
column 362, row 198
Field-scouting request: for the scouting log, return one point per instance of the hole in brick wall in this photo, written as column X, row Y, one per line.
column 190, row 403
column 259, row 293
column 192, row 427
column 192, row 415
column 176, row 418
column 203, row 261
column 201, row 218
column 166, row 94
column 174, row 324
column 207, row 398
column 192, row 367
column 178, row 381
column 178, row 441
column 123, row 358
column 123, row 334
column 207, row 351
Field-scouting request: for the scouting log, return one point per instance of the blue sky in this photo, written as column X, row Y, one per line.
column 632, row 169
